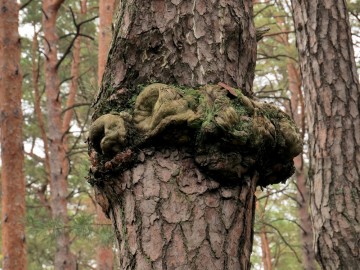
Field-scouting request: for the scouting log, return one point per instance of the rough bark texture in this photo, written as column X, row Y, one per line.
column 167, row 165
column 187, row 43
column 168, row 215
column 332, row 98
column 105, row 256
column 12, row 152
column 58, row 175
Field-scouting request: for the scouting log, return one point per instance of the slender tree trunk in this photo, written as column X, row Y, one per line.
column 106, row 11
column 37, row 103
column 58, row 186
column 303, row 197
column 265, row 248
column 41, row 191
column 297, row 111
column 332, row 97
column 12, row 152
column 168, row 214
column 105, row 255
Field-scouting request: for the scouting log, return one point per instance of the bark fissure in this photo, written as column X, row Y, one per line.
column 332, row 94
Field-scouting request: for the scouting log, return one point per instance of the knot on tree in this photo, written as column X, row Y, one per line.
column 229, row 133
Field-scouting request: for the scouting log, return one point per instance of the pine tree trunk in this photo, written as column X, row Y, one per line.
column 12, row 152
column 168, row 215
column 105, row 256
column 332, row 97
column 184, row 221
column 59, row 188
column 188, row 43
column 265, row 248
column 296, row 110
column 303, row 198
column 169, row 212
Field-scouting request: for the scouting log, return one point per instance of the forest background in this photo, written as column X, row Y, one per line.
column 282, row 229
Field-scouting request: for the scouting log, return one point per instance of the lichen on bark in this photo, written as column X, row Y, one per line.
column 230, row 134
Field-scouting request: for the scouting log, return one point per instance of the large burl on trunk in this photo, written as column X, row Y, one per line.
column 175, row 164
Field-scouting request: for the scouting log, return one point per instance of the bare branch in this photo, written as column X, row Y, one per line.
column 25, row 4
column 76, row 105
column 76, row 35
column 283, row 239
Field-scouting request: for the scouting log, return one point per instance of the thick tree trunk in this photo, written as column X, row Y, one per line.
column 332, row 98
column 164, row 198
column 180, row 222
column 169, row 215
column 105, row 255
column 187, row 43
column 12, row 152
column 58, row 175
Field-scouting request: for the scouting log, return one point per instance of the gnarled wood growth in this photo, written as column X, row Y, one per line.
column 175, row 164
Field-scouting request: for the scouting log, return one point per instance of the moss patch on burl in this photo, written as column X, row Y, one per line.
column 230, row 133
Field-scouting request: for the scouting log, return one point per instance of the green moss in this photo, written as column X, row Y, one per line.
column 208, row 119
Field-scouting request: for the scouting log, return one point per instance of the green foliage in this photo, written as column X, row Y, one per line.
column 41, row 228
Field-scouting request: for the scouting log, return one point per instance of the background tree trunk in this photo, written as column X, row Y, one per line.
column 105, row 256
column 167, row 214
column 297, row 112
column 265, row 248
column 58, row 172
column 332, row 98
column 303, row 198
column 12, row 151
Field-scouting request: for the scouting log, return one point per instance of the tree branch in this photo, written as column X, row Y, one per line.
column 77, row 34
column 25, row 5
column 76, row 105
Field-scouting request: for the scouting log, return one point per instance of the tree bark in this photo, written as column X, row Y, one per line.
column 64, row 260
column 168, row 215
column 105, row 255
column 169, row 212
column 188, row 43
column 332, row 97
column 12, row 151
